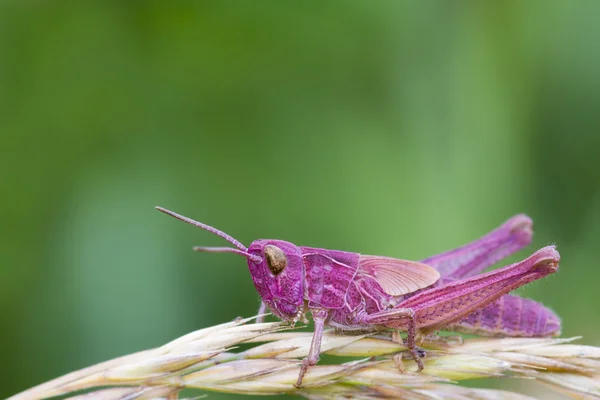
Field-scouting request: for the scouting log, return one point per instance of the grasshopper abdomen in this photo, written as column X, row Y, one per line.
column 511, row 316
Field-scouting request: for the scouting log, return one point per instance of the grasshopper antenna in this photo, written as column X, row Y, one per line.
column 241, row 249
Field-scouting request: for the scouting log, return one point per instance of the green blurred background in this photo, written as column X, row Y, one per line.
column 395, row 128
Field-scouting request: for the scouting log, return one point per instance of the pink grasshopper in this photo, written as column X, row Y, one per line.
column 371, row 293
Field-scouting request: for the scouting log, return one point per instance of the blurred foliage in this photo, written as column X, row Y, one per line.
column 395, row 128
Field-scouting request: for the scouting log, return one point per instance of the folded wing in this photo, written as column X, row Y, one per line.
column 397, row 277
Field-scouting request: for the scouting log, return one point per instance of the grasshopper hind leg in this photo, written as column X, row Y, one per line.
column 398, row 318
column 410, row 342
column 417, row 353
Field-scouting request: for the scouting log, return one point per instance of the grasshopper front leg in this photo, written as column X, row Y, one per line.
column 319, row 316
column 262, row 309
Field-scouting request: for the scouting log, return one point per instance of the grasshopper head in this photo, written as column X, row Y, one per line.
column 278, row 276
column 276, row 267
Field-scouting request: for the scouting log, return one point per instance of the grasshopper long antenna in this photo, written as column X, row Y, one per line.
column 241, row 249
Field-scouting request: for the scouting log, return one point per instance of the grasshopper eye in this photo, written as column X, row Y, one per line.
column 276, row 259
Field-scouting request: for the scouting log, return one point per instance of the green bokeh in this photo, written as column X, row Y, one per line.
column 394, row 128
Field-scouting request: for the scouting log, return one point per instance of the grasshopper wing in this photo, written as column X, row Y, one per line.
column 397, row 277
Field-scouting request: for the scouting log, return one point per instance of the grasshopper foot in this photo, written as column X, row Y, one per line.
column 398, row 362
column 305, row 364
column 398, row 357
column 417, row 358
column 416, row 354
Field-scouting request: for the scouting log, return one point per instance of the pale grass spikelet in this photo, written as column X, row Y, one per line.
column 205, row 360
